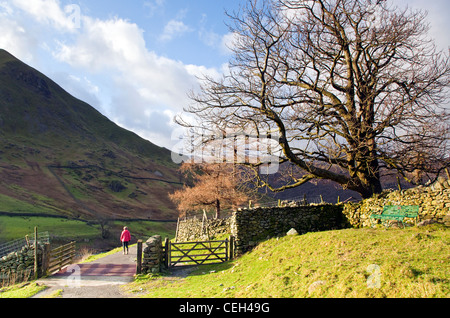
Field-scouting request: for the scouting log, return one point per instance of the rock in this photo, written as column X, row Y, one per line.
column 426, row 222
column 446, row 220
column 292, row 232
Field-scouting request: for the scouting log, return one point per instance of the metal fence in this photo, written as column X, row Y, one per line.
column 16, row 245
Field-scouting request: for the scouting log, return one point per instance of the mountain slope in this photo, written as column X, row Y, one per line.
column 60, row 156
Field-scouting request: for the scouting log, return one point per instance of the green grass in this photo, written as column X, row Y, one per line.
column 9, row 204
column 144, row 229
column 21, row 290
column 363, row 263
column 12, row 228
column 95, row 257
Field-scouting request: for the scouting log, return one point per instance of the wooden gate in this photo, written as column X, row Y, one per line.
column 59, row 257
column 198, row 253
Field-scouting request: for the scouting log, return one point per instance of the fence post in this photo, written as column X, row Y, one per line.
column 36, row 275
column 231, row 247
column 139, row 257
column 176, row 232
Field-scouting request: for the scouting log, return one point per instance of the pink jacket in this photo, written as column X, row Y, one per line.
column 125, row 236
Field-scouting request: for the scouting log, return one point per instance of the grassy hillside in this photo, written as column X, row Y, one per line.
column 61, row 157
column 392, row 263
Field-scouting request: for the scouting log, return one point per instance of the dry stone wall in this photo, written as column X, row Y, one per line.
column 202, row 229
column 433, row 202
column 250, row 226
column 152, row 260
column 19, row 264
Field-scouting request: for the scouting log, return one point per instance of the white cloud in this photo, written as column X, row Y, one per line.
column 154, row 6
column 145, row 89
column 201, row 71
column 14, row 37
column 222, row 43
column 104, row 44
column 208, row 37
column 228, row 41
column 50, row 12
column 173, row 29
column 5, row 9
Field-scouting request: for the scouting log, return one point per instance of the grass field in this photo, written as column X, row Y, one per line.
column 355, row 263
column 12, row 228
column 24, row 290
column 61, row 229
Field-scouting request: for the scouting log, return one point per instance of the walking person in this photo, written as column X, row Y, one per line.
column 125, row 238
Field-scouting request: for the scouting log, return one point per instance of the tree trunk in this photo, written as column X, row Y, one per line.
column 369, row 187
column 368, row 181
column 217, row 208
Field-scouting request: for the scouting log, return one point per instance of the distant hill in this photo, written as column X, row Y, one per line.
column 316, row 190
column 60, row 156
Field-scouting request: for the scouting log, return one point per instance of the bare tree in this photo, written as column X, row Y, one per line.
column 352, row 88
column 214, row 186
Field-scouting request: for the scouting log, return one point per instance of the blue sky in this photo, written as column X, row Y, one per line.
column 135, row 61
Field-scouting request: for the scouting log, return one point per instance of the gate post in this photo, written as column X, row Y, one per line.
column 167, row 252
column 139, row 257
column 227, row 257
column 45, row 259
column 231, row 247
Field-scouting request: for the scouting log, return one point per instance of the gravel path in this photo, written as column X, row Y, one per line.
column 97, row 279
column 101, row 278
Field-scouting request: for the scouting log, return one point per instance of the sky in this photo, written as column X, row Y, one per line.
column 136, row 61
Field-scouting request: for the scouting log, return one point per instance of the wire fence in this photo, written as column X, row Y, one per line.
column 16, row 245
column 291, row 202
column 304, row 200
column 297, row 201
